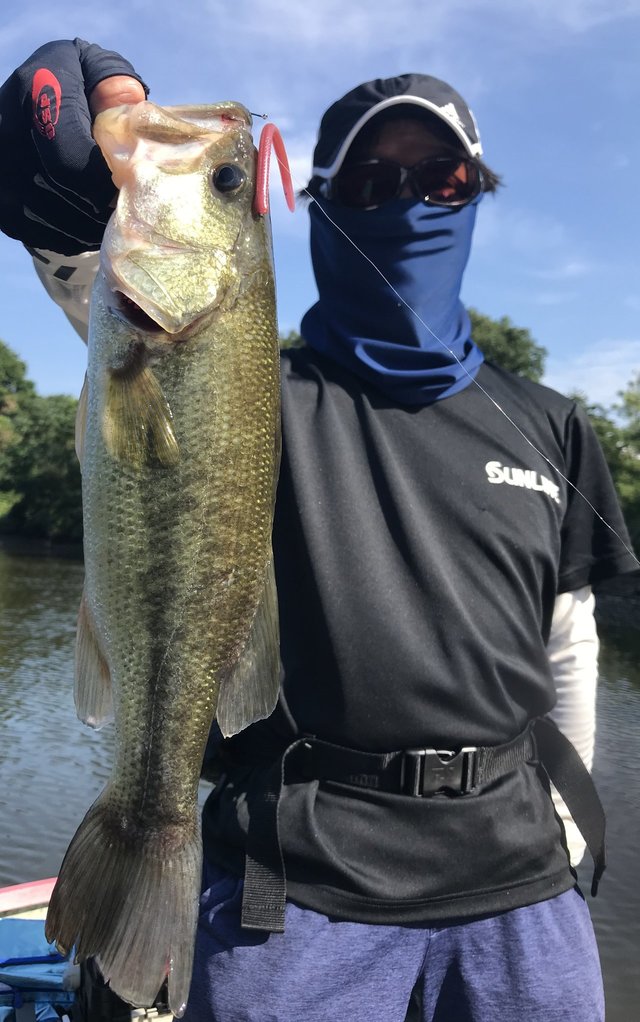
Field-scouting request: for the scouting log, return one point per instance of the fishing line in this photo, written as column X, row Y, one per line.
column 493, row 401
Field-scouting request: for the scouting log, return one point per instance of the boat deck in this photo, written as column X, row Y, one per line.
column 30, row 901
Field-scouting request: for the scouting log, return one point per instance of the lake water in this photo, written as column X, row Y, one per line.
column 51, row 767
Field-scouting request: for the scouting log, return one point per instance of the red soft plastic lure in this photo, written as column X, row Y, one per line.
column 270, row 138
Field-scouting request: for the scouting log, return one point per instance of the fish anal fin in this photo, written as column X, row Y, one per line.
column 137, row 422
column 92, row 690
column 249, row 690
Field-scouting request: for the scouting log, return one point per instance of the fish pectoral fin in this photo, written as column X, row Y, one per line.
column 249, row 690
column 81, row 420
column 137, row 423
column 92, row 689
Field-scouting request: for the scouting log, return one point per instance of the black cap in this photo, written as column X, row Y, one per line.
column 344, row 119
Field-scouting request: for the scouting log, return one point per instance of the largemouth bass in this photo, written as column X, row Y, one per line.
column 178, row 438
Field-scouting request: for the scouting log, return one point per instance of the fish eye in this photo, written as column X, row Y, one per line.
column 228, row 177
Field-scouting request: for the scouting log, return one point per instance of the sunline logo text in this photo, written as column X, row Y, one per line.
column 527, row 478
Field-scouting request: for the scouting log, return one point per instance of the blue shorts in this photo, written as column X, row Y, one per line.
column 533, row 964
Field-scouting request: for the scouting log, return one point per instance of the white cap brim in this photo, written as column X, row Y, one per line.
column 447, row 114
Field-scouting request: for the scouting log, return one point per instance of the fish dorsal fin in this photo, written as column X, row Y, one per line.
column 249, row 691
column 92, row 691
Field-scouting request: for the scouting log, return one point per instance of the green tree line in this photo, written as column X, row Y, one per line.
column 40, row 491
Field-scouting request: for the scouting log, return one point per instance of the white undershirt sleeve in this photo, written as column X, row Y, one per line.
column 69, row 280
column 573, row 654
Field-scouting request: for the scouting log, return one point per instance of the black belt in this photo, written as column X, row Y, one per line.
column 414, row 772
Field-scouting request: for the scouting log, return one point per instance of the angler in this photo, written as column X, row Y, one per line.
column 388, row 833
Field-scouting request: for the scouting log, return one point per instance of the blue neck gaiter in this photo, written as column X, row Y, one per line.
column 359, row 321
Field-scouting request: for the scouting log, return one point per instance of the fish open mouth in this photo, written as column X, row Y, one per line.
column 125, row 309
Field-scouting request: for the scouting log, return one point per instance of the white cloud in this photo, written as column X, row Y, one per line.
column 489, row 223
column 532, row 236
column 600, row 371
column 622, row 162
column 554, row 297
column 563, row 272
column 374, row 24
column 290, row 60
column 299, row 149
column 568, row 269
column 25, row 26
column 542, row 249
column 531, row 233
column 579, row 15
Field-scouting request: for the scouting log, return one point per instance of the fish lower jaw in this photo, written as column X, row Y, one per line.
column 134, row 316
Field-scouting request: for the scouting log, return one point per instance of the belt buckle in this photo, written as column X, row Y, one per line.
column 431, row 771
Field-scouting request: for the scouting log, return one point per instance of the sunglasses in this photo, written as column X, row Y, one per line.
column 450, row 181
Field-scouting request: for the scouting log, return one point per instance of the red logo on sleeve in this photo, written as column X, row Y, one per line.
column 47, row 96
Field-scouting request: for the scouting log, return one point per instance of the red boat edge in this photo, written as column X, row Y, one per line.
column 20, row 898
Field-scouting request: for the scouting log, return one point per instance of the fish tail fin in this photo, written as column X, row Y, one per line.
column 128, row 897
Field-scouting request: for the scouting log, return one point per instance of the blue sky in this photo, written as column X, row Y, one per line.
column 555, row 89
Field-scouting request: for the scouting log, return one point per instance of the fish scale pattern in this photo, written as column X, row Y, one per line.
column 177, row 549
